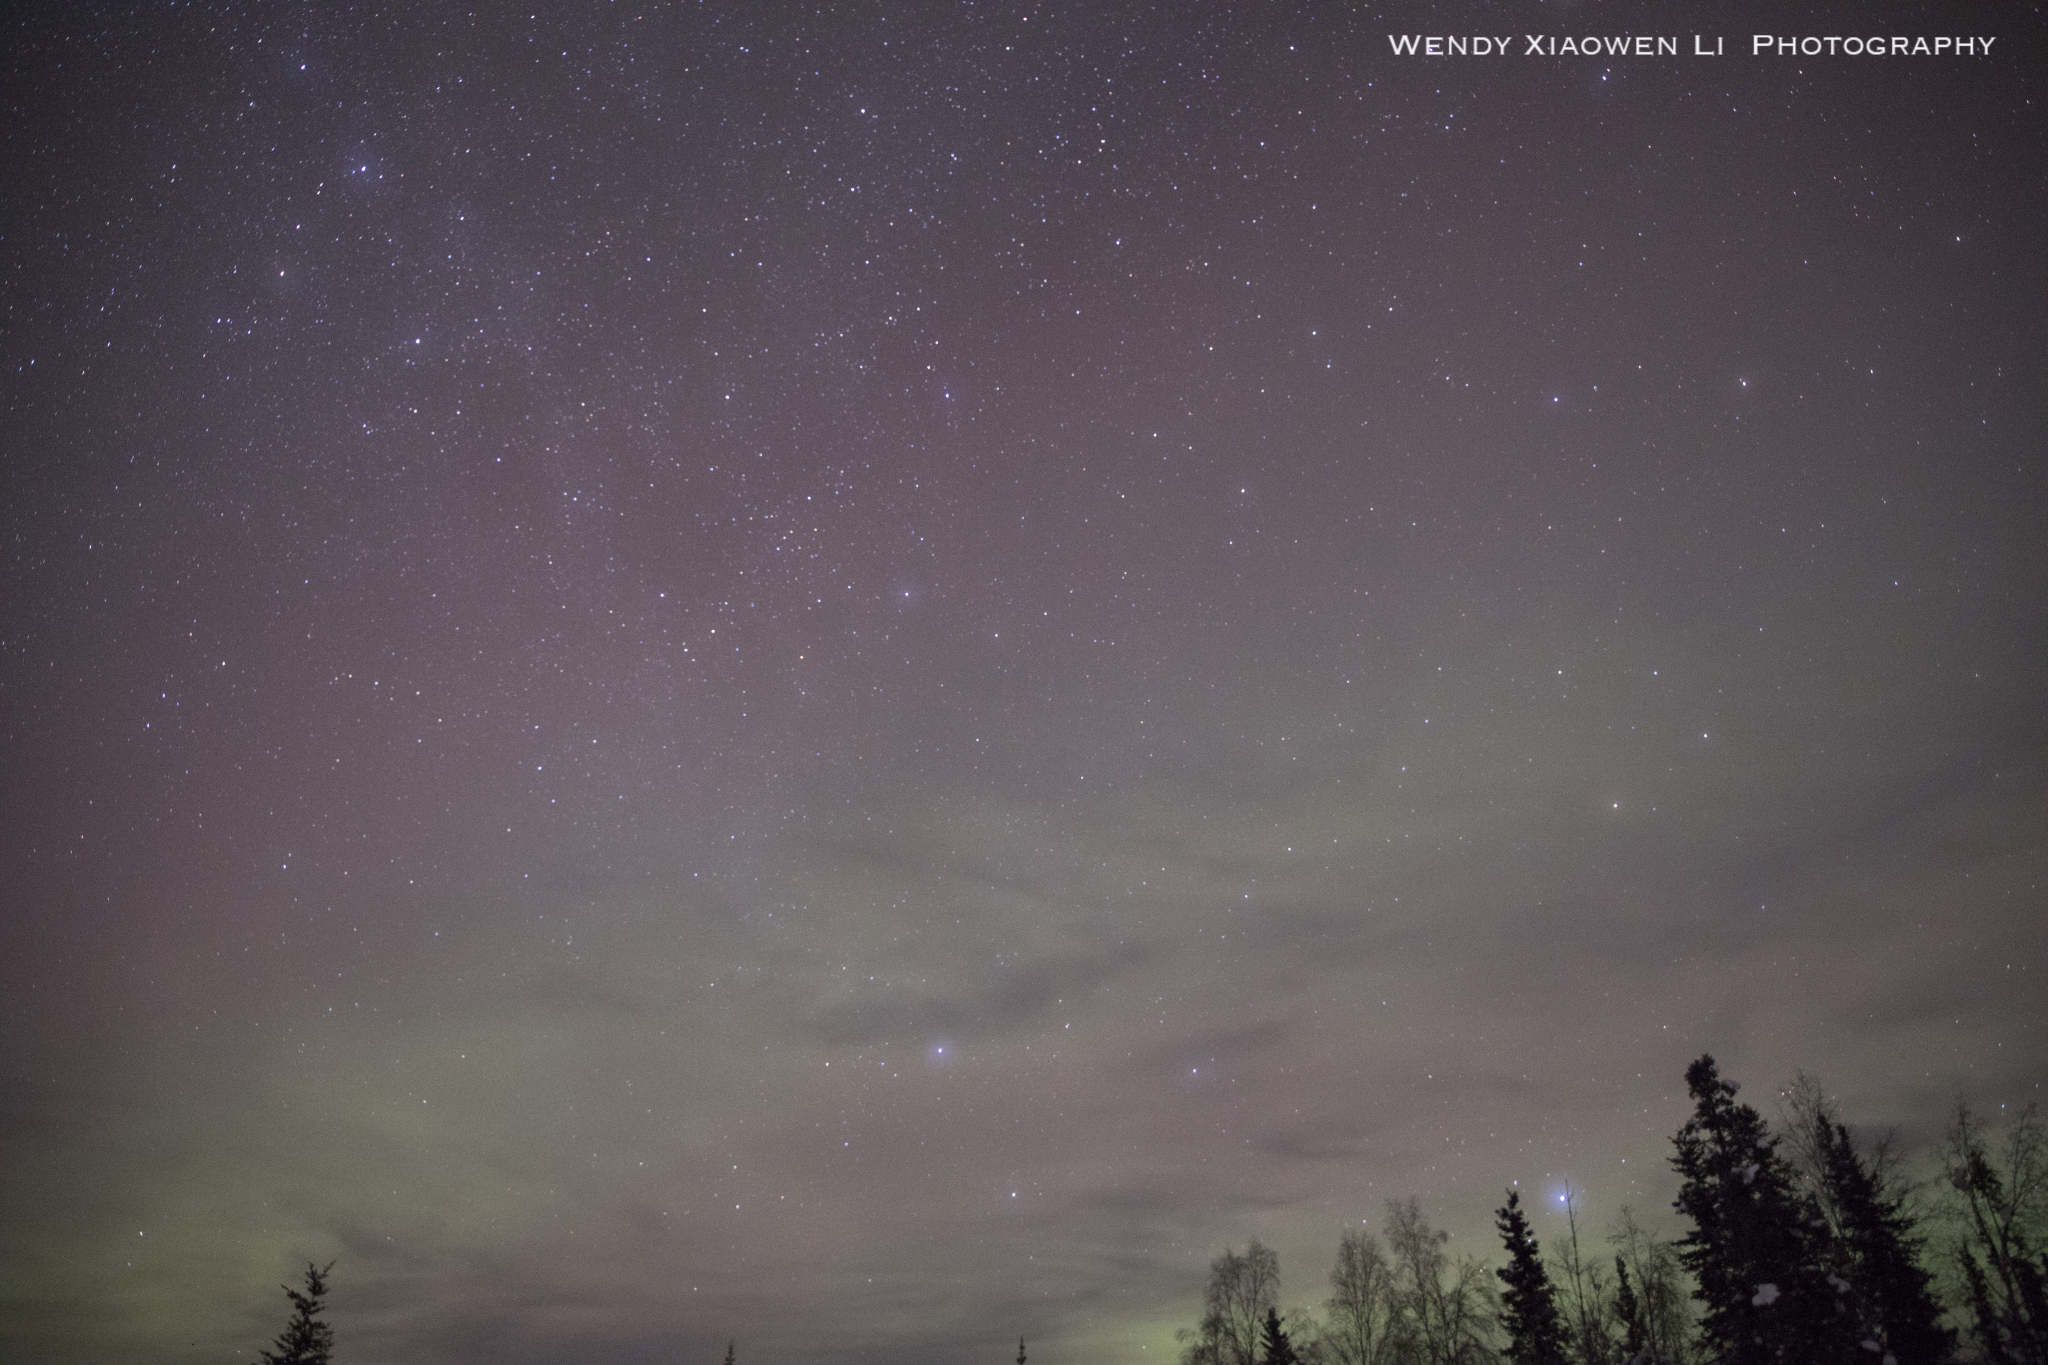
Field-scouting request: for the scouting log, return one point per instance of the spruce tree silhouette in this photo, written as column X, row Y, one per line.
column 305, row 1340
column 1756, row 1245
column 1877, row 1251
column 1529, row 1306
column 1278, row 1349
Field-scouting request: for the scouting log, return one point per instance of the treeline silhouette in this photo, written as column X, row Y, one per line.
column 1801, row 1248
column 306, row 1340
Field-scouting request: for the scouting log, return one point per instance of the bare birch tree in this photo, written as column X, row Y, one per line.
column 1663, row 1300
column 1582, row 1294
column 2001, row 1202
column 1364, row 1322
column 1240, row 1291
column 1451, row 1305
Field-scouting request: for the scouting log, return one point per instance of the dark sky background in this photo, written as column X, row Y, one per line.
column 865, row 678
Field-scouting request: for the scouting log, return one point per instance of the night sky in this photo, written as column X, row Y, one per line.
column 867, row 678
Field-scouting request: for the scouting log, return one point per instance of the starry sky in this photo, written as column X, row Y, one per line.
column 866, row 677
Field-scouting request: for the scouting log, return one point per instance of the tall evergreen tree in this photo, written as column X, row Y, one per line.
column 1528, row 1312
column 305, row 1340
column 1754, row 1251
column 1877, row 1269
column 1276, row 1348
column 1872, row 1254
